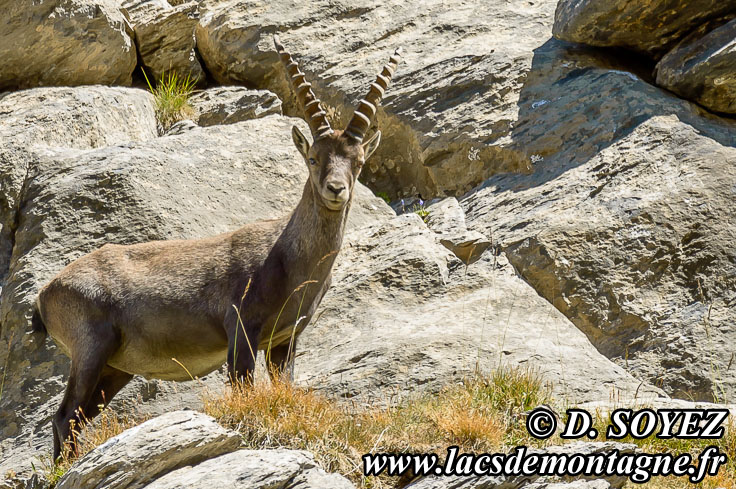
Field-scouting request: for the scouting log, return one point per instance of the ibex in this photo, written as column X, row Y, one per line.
column 129, row 310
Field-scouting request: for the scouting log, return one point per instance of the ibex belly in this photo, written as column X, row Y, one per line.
column 171, row 347
column 282, row 335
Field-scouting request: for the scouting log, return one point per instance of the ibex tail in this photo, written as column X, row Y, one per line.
column 37, row 325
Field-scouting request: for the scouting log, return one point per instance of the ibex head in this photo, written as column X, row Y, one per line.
column 336, row 157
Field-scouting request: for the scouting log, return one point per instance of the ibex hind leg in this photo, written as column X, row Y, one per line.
column 111, row 382
column 88, row 362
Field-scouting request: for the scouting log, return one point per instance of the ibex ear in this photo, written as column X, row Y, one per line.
column 300, row 141
column 371, row 145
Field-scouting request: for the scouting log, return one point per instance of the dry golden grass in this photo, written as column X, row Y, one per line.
column 473, row 415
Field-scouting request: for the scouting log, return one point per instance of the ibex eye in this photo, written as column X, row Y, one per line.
column 312, row 161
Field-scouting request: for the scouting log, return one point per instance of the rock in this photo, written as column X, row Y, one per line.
column 12, row 481
column 137, row 10
column 203, row 182
column 254, row 469
column 622, row 288
column 447, row 219
column 165, row 37
column 91, row 117
column 461, row 60
column 535, row 481
column 181, row 127
column 633, row 245
column 471, row 482
column 140, row 454
column 404, row 315
column 703, row 68
column 226, row 105
column 648, row 26
column 65, row 42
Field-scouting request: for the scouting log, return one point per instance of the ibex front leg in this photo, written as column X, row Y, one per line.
column 242, row 347
column 281, row 362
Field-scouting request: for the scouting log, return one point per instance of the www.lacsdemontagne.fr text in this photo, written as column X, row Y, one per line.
column 638, row 467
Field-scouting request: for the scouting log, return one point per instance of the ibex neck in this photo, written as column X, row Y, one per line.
column 314, row 234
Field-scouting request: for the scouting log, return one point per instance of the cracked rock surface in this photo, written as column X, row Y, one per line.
column 65, row 42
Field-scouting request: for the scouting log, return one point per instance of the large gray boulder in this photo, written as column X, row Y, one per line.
column 584, row 118
column 190, row 449
column 404, row 314
column 140, row 454
column 635, row 246
column 82, row 118
column 65, row 42
column 647, row 26
column 446, row 119
column 254, row 469
column 165, row 37
column 703, row 68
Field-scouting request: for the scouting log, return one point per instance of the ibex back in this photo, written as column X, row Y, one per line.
column 129, row 310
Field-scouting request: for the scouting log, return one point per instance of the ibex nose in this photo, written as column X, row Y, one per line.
column 335, row 188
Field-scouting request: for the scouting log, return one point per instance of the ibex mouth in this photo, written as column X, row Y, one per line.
column 335, row 205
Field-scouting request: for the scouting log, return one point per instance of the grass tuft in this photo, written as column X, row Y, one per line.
column 172, row 94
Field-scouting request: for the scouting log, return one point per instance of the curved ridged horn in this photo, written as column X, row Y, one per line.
column 315, row 116
column 366, row 110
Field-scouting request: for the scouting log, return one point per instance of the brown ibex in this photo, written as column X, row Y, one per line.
column 129, row 310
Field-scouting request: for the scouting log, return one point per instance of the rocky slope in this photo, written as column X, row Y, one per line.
column 594, row 176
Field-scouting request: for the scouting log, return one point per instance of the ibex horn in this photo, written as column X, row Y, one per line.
column 366, row 111
column 310, row 104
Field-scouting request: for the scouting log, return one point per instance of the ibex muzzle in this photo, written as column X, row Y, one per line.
column 130, row 310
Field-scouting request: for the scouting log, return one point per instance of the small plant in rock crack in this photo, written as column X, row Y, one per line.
column 172, row 94
column 417, row 208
